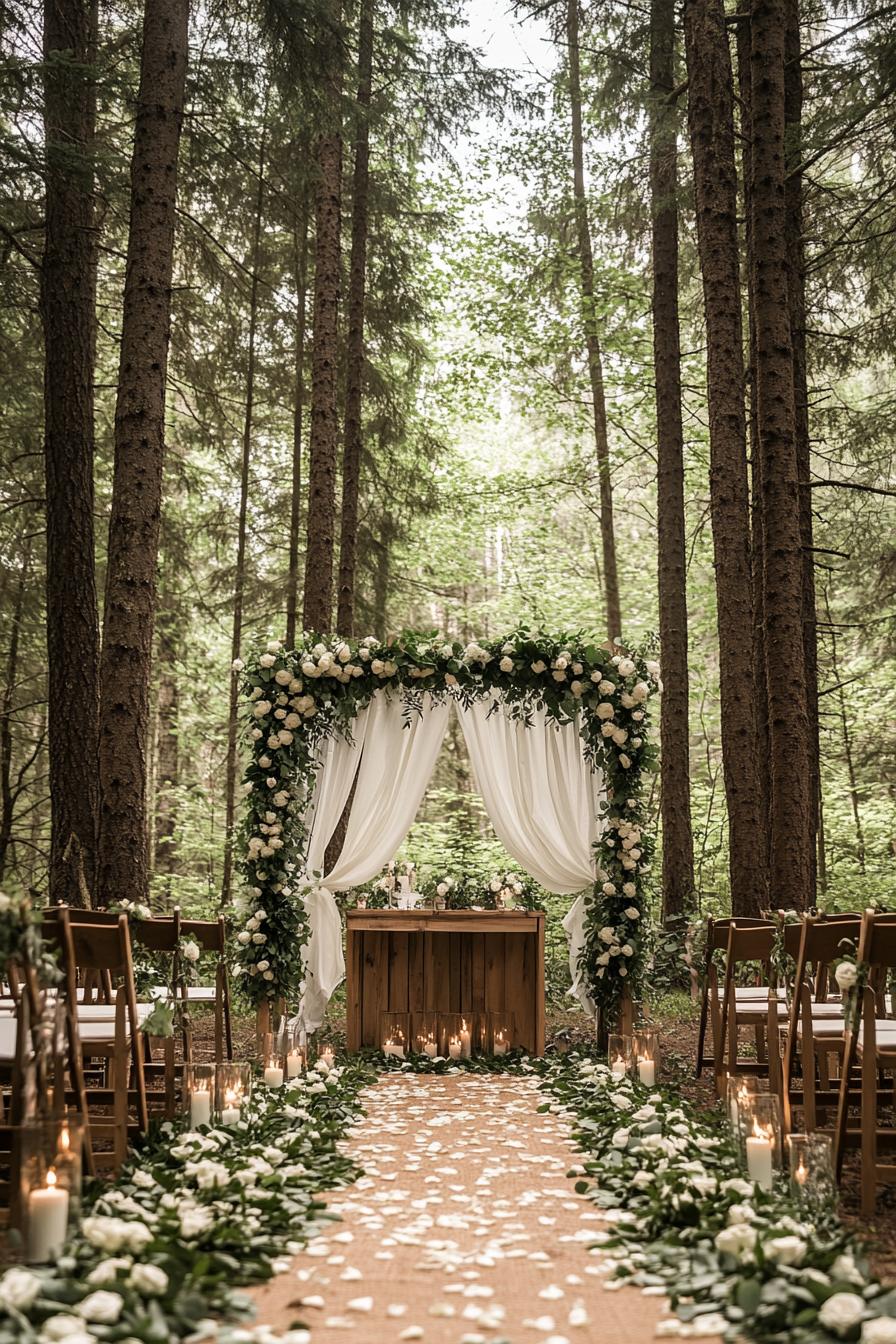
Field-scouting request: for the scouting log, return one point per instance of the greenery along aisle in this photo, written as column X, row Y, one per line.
column 194, row 1215
column 683, row 1219
column 298, row 698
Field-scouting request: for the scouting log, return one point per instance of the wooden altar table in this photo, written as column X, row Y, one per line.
column 447, row 961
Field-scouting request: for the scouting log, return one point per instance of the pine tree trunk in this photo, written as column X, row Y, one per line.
column 239, row 578
column 711, row 124
column 317, row 607
column 675, row 800
column 847, row 742
column 381, row 579
column 167, row 754
column 354, row 355
column 796, row 291
column 130, row 604
column 589, row 322
column 295, row 512
column 8, row 793
column 756, row 569
column 68, row 311
column 792, row 842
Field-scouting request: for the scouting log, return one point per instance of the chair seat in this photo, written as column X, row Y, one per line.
column 754, row 994
column 195, row 993
column 823, row 1026
column 884, row 1036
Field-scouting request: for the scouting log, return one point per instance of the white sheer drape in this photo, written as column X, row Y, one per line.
column 541, row 796
column 397, row 753
column 324, row 956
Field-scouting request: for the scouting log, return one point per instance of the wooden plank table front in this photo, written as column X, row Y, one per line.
column 444, row 961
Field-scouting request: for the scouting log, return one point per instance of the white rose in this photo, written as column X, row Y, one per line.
column 267, row 660
column 845, row 1270
column 263, row 965
column 620, row 737
column 256, row 735
column 785, row 1250
column 285, row 738
column 624, row 761
column 605, row 710
column 114, row 1234
column 102, row 1307
column 292, row 720
column 846, row 975
column 283, row 677
column 609, row 889
column 629, row 889
column 640, row 691
column 628, row 950
column 150, row 1280
column 577, row 688
column 190, row 950
column 620, row 1138
column 607, row 935
column 626, row 667
column 738, row 1241
column 506, row 664
column 841, row 1313
column 195, row 1220
column 259, row 938
column 538, row 666
column 377, row 667
column 208, row 1175
column 19, row 1288
column 237, row 664
column 243, row 938
column 273, row 646
column 631, row 911
column 64, row 1326
column 280, row 798
column 442, row 889
column 880, row 1331
column 261, row 708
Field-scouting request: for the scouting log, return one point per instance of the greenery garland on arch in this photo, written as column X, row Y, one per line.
column 295, row 699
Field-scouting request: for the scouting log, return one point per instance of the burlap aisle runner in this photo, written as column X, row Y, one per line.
column 464, row 1229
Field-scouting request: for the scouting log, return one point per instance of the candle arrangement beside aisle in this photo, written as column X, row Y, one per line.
column 741, row 1089
column 810, row 1159
column 272, row 1061
column 326, row 1055
column 500, row 1033
column 198, row 1089
column 50, row 1184
column 760, row 1123
column 646, row 1051
column 395, row 1034
column 233, row 1088
column 619, row 1055
column 425, row 1034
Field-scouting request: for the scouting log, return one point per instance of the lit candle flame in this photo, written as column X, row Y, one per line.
column 65, row 1141
column 802, row 1173
column 51, row 1178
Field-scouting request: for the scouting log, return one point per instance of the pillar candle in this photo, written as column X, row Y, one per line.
column 454, row 1048
column 293, row 1064
column 273, row 1076
column 200, row 1107
column 47, row 1221
column 647, row 1072
column 760, row 1166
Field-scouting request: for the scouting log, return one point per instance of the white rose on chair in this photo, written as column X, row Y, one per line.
column 846, row 975
column 190, row 950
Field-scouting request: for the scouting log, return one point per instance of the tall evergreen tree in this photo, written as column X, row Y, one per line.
column 711, row 124
column 68, row 310
column 129, row 612
column 675, row 802
column 790, row 756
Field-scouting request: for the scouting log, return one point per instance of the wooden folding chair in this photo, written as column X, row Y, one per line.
column 717, row 941
column 103, row 951
column 814, row 1027
column 747, row 943
column 211, row 935
column 870, row 1040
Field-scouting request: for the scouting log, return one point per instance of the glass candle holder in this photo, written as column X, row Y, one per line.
column 233, row 1088
column 326, row 1055
column 395, row 1034
column 760, row 1127
column 501, row 1033
column 810, row 1162
column 460, row 1034
column 272, row 1060
column 198, row 1092
column 49, row 1185
column 296, row 1053
column 619, row 1055
column 425, row 1034
column 646, row 1056
column 741, row 1088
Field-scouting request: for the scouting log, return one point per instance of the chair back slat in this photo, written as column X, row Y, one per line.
column 750, row 942
column 210, row 934
column 877, row 943
column 717, row 930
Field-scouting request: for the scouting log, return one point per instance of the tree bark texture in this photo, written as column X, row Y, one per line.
column 167, row 754
column 675, row 804
column 756, row 565
column 791, row 839
column 354, row 354
column 239, row 578
column 130, row 604
column 589, row 322
column 317, row 611
column 68, row 310
column 796, row 290
column 711, row 125
column 295, row 511
column 10, row 790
